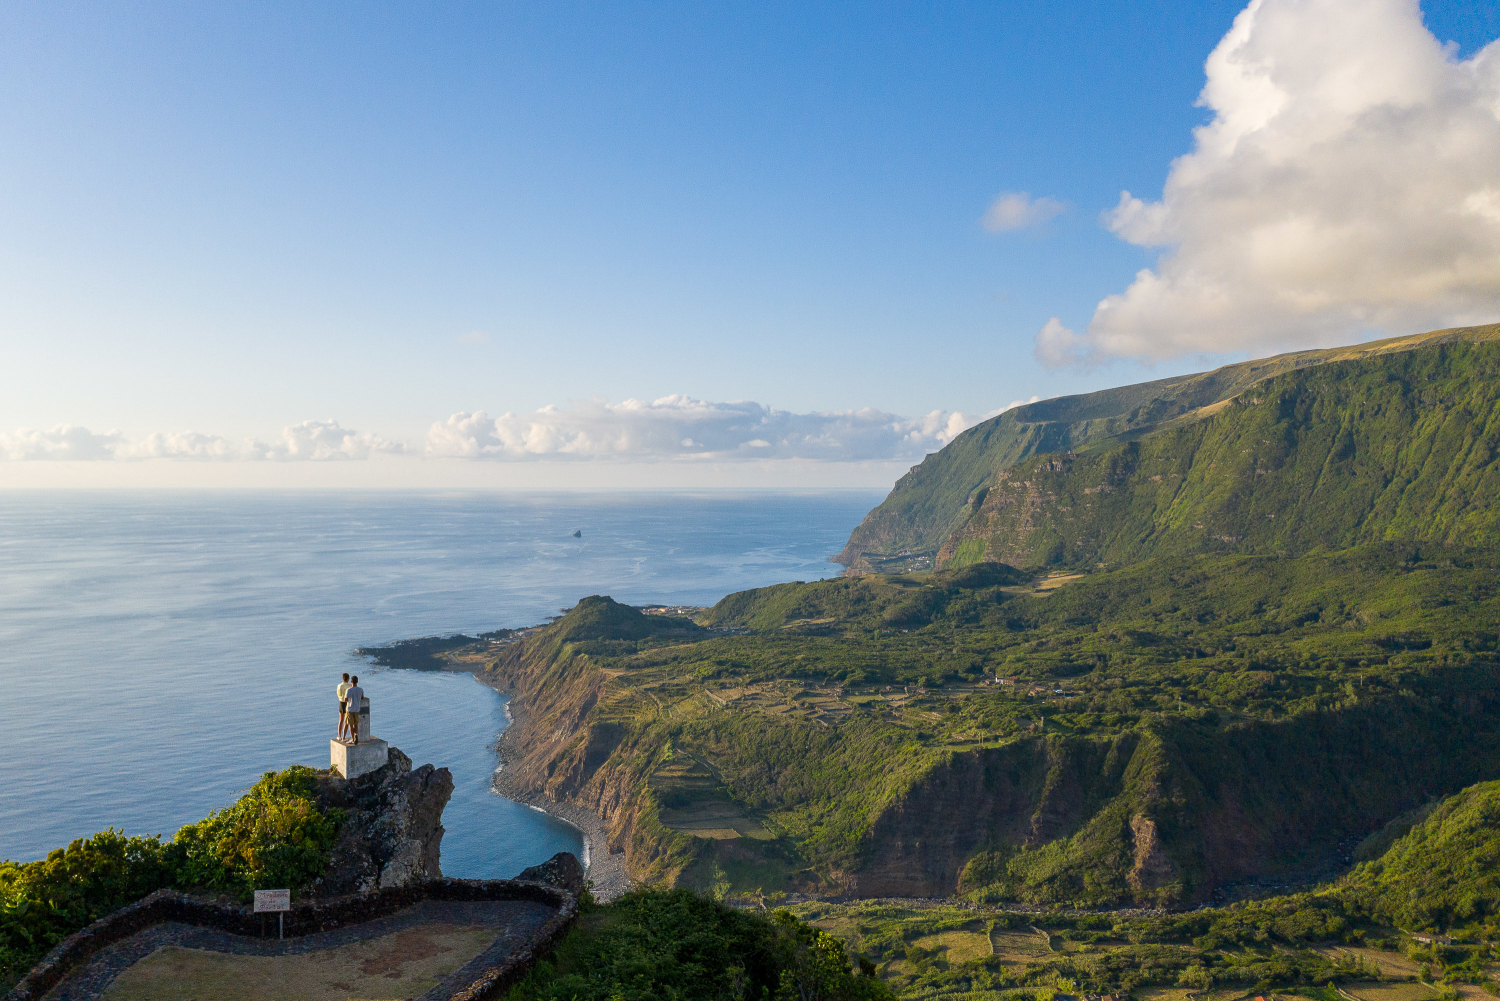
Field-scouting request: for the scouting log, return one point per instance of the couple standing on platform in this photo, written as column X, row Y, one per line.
column 351, row 700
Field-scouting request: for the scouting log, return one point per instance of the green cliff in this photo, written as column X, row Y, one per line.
column 944, row 494
column 1400, row 446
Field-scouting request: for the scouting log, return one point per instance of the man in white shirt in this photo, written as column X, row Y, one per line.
column 343, row 721
column 354, row 700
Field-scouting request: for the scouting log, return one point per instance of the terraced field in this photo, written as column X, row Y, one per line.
column 694, row 803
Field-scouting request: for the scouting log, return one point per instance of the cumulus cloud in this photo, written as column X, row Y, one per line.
column 320, row 441
column 680, row 427
column 1057, row 345
column 310, row 440
column 1018, row 210
column 1348, row 181
column 64, row 442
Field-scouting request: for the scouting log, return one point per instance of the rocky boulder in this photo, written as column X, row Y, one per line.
column 393, row 827
column 562, row 870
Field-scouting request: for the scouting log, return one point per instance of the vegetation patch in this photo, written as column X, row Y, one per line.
column 677, row 944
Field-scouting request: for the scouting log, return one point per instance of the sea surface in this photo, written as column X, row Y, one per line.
column 159, row 651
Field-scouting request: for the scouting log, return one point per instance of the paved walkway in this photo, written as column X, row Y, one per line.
column 453, row 930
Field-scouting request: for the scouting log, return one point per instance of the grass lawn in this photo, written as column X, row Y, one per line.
column 403, row 964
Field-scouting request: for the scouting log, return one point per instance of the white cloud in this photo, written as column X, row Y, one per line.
column 1057, row 345
column 323, row 440
column 64, row 442
column 310, row 440
column 1348, row 181
column 473, row 337
column 673, row 427
column 1018, row 210
column 180, row 445
column 680, row 427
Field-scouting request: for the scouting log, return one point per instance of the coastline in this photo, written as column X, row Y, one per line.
column 604, row 868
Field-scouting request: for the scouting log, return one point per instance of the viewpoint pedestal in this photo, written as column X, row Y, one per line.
column 353, row 760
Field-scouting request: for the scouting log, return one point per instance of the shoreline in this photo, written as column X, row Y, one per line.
column 604, row 868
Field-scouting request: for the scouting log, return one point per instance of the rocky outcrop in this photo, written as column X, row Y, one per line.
column 393, row 829
column 562, row 870
column 1153, row 868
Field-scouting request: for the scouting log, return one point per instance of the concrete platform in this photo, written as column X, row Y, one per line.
column 353, row 760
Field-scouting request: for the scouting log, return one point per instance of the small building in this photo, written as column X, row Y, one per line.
column 1430, row 939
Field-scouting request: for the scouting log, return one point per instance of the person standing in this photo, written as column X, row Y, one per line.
column 343, row 687
column 354, row 700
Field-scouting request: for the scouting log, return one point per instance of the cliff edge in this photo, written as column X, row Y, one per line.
column 393, row 827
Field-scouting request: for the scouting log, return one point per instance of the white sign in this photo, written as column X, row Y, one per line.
column 273, row 900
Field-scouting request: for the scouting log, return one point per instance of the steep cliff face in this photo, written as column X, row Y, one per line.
column 567, row 747
column 937, row 497
column 1400, row 446
column 393, row 831
column 1167, row 816
column 1024, row 795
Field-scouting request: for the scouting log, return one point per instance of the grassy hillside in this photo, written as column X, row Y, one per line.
column 938, row 496
column 1400, row 446
column 1445, row 872
column 1355, row 931
column 1178, row 725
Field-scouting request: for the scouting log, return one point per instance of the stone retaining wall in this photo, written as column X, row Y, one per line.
column 308, row 917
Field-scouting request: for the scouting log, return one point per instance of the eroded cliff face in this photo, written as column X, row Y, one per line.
column 1168, row 815
column 559, row 748
column 393, row 828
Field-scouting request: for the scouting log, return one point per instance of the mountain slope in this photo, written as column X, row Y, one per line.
column 1165, row 729
column 1446, row 870
column 1400, row 446
column 935, row 498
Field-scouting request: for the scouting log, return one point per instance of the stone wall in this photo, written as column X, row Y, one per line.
column 307, row 917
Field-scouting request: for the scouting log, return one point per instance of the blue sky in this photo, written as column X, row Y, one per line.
column 223, row 221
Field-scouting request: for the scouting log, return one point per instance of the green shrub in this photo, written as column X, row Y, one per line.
column 673, row 944
column 43, row 902
column 275, row 835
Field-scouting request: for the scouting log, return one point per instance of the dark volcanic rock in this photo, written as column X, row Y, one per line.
column 393, row 830
column 562, row 870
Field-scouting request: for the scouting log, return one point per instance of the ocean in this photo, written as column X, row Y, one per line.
column 159, row 651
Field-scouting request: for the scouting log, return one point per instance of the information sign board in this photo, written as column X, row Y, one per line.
column 273, row 900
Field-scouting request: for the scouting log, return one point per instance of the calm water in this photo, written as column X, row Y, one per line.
column 159, row 651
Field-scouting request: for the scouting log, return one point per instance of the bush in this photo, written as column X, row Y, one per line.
column 41, row 903
column 677, row 944
column 275, row 835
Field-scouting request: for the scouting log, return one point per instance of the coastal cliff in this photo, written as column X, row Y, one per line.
column 560, row 750
column 1396, row 446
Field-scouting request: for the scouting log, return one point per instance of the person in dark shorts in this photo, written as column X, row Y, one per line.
column 343, row 687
